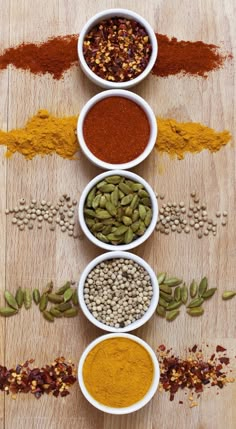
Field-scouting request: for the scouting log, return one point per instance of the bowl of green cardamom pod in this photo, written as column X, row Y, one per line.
column 118, row 210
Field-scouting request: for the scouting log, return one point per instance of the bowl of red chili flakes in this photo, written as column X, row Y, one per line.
column 117, row 48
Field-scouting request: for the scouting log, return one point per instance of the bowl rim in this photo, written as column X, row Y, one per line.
column 138, row 241
column 119, row 255
column 108, row 13
column 134, row 407
column 146, row 109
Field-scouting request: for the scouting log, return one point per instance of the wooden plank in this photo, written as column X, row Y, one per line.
column 31, row 259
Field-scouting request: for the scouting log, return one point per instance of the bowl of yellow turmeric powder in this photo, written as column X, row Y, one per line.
column 118, row 373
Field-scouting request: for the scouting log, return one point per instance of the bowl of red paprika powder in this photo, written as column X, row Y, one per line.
column 96, row 216
column 117, row 129
column 117, row 48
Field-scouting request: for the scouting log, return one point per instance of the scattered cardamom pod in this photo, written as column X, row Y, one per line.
column 43, row 302
column 10, row 299
column 177, row 294
column 209, row 293
column 48, row 316
column 228, row 294
column 162, row 302
column 8, row 311
column 161, row 311
column 75, row 297
column 193, row 289
column 196, row 302
column 36, row 296
column 172, row 281
column 195, row 312
column 71, row 312
column 160, row 278
column 55, row 312
column 184, row 294
column 202, row 286
column 68, row 295
column 56, row 299
column 173, row 305
column 166, row 296
column 166, row 289
column 19, row 297
column 64, row 306
column 171, row 315
column 27, row 298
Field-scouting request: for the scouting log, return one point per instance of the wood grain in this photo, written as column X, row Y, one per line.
column 30, row 259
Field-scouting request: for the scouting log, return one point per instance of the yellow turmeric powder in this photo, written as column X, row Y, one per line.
column 177, row 138
column 118, row 372
column 43, row 134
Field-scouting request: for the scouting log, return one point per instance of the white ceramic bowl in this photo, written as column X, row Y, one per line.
column 118, row 255
column 124, row 410
column 106, row 14
column 138, row 241
column 148, row 112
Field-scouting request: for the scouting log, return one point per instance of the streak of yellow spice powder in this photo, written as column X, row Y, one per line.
column 178, row 138
column 43, row 134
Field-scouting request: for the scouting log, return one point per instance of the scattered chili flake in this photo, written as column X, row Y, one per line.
column 220, row 349
column 55, row 378
column 117, row 49
column 193, row 373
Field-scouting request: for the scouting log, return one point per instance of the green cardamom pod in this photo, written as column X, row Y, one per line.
column 162, row 302
column 173, row 305
column 96, row 202
column 161, row 277
column 10, row 299
column 125, row 188
column 148, row 218
column 135, row 226
column 36, row 296
column 111, row 208
column 71, row 312
column 19, row 297
column 8, row 311
column 160, row 311
column 56, row 299
column 68, row 295
column 103, row 214
column 121, row 230
column 108, row 187
column 166, row 289
column 202, row 286
column 89, row 222
column 75, row 297
column 228, row 294
column 171, row 315
column 166, row 296
column 115, row 197
column 195, row 312
column 177, row 294
column 193, row 289
column 102, row 237
column 135, row 216
column 106, row 229
column 90, row 197
column 143, row 194
column 48, row 316
column 103, row 201
column 100, row 184
column 136, row 186
column 63, row 288
column 184, row 294
column 126, row 200
column 55, row 312
column 146, row 202
column 98, row 227
column 27, row 298
column 129, row 236
column 142, row 211
column 127, row 220
column 64, row 306
column 43, row 302
column 196, row 302
column 114, row 180
column 209, row 293
column 90, row 212
column 172, row 281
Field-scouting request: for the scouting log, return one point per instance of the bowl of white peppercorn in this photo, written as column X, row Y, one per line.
column 118, row 291
column 118, row 210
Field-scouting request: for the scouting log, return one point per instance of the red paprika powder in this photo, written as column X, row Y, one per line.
column 116, row 130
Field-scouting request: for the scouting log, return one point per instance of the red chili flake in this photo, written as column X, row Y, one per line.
column 162, row 348
column 194, row 348
column 55, row 378
column 180, row 402
column 224, row 360
column 220, row 349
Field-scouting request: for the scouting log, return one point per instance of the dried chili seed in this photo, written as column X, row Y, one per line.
column 117, row 49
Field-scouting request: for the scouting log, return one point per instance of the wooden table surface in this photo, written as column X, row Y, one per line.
column 32, row 258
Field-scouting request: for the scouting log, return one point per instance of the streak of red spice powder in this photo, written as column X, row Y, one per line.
column 58, row 54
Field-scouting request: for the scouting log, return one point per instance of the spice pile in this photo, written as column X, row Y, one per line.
column 58, row 54
column 55, row 379
column 116, row 130
column 117, row 49
column 62, row 213
column 194, row 373
column 118, row 210
column 175, row 217
column 65, row 301
column 117, row 292
column 118, row 372
column 179, row 138
column 174, row 293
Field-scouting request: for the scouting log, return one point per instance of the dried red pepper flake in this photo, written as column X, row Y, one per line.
column 193, row 373
column 220, row 349
column 56, row 378
column 117, row 49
